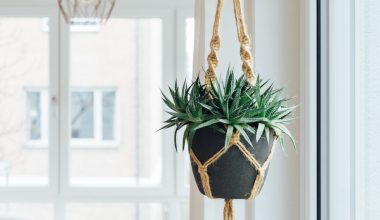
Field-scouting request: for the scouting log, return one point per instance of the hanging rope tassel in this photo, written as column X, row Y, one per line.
column 228, row 210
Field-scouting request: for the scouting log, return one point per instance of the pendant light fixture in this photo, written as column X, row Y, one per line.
column 99, row 10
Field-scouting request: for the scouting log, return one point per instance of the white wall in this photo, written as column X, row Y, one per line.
column 277, row 38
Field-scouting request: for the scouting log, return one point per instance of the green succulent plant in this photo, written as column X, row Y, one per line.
column 230, row 105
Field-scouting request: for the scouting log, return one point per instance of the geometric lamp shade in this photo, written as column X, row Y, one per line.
column 93, row 9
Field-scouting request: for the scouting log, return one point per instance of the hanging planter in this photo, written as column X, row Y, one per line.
column 98, row 10
column 231, row 126
column 237, row 173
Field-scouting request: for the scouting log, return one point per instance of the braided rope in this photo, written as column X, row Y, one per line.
column 228, row 210
column 244, row 40
column 212, row 58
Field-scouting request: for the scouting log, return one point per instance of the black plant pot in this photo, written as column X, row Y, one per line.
column 232, row 176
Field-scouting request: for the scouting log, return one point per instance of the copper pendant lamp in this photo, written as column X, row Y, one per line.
column 99, row 10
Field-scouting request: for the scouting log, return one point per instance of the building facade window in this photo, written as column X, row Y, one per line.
column 80, row 111
column 93, row 116
column 37, row 120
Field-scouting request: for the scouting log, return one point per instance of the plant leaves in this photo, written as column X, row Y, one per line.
column 234, row 105
column 244, row 134
column 260, row 130
column 267, row 134
column 206, row 124
column 230, row 129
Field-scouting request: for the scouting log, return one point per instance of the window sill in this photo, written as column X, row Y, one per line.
column 76, row 146
column 96, row 145
column 36, row 145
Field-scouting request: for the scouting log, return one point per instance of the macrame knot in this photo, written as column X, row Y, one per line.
column 245, row 40
column 245, row 54
column 215, row 42
column 261, row 172
column 212, row 60
column 249, row 73
column 209, row 78
column 202, row 169
column 235, row 138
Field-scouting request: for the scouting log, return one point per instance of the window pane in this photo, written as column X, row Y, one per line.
column 82, row 115
column 34, row 115
column 21, row 211
column 368, row 109
column 126, row 55
column 108, row 117
column 115, row 211
column 24, row 117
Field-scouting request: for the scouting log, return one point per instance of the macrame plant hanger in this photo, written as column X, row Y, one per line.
column 210, row 77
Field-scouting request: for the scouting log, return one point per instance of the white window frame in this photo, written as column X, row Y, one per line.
column 338, row 112
column 17, row 193
column 167, row 178
column 308, row 110
column 97, row 141
column 44, row 106
column 59, row 192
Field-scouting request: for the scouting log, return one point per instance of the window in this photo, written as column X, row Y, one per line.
column 34, row 115
column 93, row 116
column 82, row 115
column 350, row 110
column 81, row 108
column 37, row 119
column 125, row 54
column 25, row 113
column 30, row 211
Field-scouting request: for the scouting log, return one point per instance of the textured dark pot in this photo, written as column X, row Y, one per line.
column 231, row 176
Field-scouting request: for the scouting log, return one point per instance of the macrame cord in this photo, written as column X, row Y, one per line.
column 210, row 77
column 260, row 168
column 244, row 40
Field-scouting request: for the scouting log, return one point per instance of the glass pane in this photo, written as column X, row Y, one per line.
column 368, row 109
column 34, row 115
column 24, row 112
column 115, row 211
column 125, row 55
column 21, row 211
column 82, row 115
column 108, row 117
